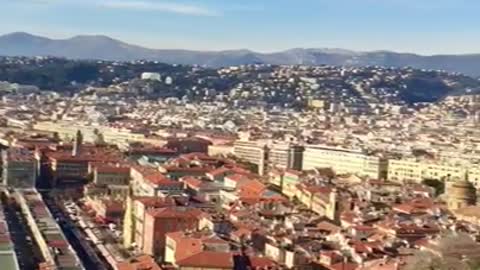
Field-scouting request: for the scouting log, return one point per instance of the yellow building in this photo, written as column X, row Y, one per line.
column 134, row 219
column 275, row 178
column 316, row 104
column 473, row 176
column 326, row 204
column 460, row 194
column 289, row 185
column 417, row 171
column 68, row 129
column 404, row 171
column 220, row 150
column 343, row 161
column 470, row 214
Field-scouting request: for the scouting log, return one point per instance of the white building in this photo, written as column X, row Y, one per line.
column 153, row 76
column 343, row 161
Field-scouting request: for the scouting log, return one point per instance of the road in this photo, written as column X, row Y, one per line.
column 86, row 253
column 28, row 253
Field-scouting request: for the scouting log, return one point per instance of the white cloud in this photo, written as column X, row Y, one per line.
column 186, row 9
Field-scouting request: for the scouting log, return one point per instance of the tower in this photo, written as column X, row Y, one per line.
column 77, row 143
column 331, row 209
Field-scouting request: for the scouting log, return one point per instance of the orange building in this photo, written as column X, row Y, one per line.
column 159, row 222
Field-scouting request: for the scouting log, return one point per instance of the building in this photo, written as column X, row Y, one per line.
column 106, row 209
column 188, row 145
column 134, row 218
column 407, row 170
column 159, row 222
column 150, row 182
column 19, row 168
column 285, row 156
column 460, row 194
column 213, row 260
column 8, row 257
column 253, row 152
column 180, row 245
column 105, row 175
column 153, row 76
column 344, row 161
column 139, row 263
column 151, row 152
column 67, row 130
column 109, row 180
column 473, row 176
column 72, row 163
column 404, row 171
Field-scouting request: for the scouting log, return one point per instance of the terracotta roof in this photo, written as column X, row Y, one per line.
column 237, row 177
column 251, row 189
column 262, row 263
column 219, row 171
column 208, row 259
column 192, row 181
column 175, row 212
column 140, row 263
column 153, row 176
column 156, row 201
column 344, row 266
column 329, row 227
column 159, row 179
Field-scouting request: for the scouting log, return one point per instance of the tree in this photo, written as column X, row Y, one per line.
column 438, row 185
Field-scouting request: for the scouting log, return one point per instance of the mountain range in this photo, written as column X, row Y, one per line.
column 106, row 48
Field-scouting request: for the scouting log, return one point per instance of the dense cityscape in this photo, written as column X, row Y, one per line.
column 142, row 165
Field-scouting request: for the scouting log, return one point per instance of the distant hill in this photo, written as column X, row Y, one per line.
column 106, row 48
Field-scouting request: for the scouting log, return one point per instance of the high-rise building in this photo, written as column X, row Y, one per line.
column 278, row 155
column 253, row 152
column 285, row 156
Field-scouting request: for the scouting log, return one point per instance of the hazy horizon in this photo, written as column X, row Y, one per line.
column 422, row 27
column 333, row 49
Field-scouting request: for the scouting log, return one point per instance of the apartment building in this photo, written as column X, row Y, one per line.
column 285, row 156
column 159, row 222
column 19, row 168
column 270, row 155
column 253, row 152
column 343, row 161
column 68, row 129
column 409, row 170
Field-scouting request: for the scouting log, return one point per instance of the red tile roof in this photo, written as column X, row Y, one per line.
column 208, row 259
column 140, row 263
column 219, row 171
column 344, row 266
column 175, row 212
column 156, row 202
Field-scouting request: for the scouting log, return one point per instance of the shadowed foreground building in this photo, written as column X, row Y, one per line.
column 19, row 168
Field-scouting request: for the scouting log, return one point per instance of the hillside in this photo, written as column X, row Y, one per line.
column 106, row 48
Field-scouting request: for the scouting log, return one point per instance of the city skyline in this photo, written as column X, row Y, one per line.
column 422, row 27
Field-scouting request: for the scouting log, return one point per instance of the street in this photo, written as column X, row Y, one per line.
column 86, row 253
column 28, row 254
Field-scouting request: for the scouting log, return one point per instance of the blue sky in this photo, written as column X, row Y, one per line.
column 420, row 26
